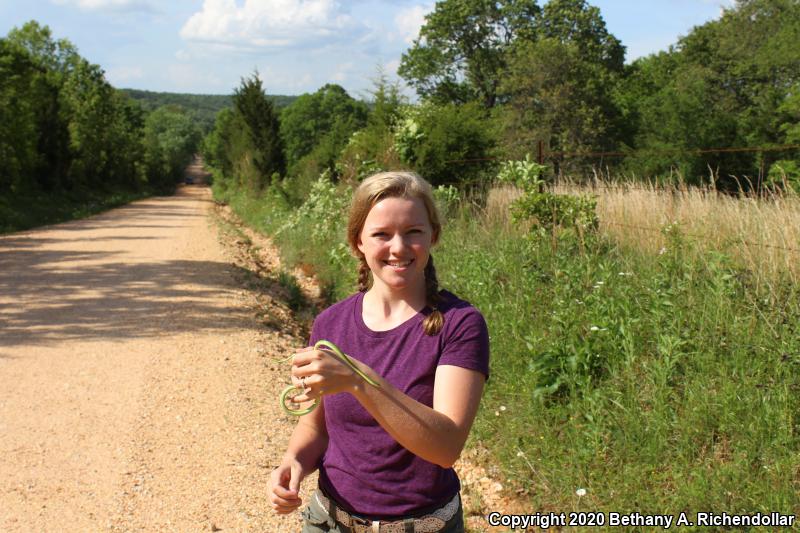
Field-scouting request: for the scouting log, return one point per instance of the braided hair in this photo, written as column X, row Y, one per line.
column 396, row 185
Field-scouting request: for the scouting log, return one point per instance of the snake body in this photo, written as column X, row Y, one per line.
column 334, row 350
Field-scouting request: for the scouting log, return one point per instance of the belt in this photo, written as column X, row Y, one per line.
column 429, row 523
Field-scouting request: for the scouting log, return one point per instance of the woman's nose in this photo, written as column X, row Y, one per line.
column 398, row 244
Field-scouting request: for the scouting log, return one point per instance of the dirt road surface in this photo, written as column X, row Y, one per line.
column 138, row 374
column 138, row 389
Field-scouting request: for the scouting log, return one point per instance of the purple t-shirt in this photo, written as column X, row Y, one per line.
column 364, row 468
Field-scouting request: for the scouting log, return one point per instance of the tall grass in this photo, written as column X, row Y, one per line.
column 762, row 234
column 657, row 382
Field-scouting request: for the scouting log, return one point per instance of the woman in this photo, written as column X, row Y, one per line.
column 386, row 452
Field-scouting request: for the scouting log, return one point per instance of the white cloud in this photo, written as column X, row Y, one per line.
column 410, row 20
column 109, row 5
column 260, row 24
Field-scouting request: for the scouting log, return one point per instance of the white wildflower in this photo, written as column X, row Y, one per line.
column 580, row 492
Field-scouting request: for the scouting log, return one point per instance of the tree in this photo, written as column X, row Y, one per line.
column 557, row 96
column 723, row 85
column 577, row 22
column 171, row 138
column 255, row 109
column 328, row 116
column 447, row 144
column 461, row 48
column 18, row 133
column 561, row 87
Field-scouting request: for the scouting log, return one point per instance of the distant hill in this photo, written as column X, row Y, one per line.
column 204, row 106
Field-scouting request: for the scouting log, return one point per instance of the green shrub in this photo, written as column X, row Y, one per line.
column 784, row 175
column 546, row 210
column 446, row 144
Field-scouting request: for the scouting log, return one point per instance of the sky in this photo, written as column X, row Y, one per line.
column 297, row 46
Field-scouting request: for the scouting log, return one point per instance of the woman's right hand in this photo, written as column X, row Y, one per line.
column 284, row 487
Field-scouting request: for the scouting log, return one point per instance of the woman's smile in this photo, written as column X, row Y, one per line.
column 399, row 266
column 396, row 240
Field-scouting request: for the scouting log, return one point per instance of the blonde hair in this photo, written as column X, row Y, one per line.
column 396, row 185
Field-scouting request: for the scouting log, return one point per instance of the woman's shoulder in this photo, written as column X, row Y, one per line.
column 450, row 303
column 456, row 310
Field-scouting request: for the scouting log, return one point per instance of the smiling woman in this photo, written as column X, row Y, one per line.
column 426, row 354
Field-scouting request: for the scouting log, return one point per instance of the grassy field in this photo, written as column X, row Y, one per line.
column 658, row 370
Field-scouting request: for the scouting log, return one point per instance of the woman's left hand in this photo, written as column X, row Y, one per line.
column 323, row 373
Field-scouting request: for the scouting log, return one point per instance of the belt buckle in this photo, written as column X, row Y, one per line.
column 357, row 520
column 361, row 525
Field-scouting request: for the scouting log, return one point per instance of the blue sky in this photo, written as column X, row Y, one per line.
column 206, row 46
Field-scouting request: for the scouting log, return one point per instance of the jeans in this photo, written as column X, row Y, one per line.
column 317, row 520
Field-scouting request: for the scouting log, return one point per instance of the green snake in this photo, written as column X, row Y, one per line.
column 331, row 348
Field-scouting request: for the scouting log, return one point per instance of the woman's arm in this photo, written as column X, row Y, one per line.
column 308, row 442
column 435, row 434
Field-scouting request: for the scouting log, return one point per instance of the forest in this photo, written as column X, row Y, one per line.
column 204, row 107
column 70, row 143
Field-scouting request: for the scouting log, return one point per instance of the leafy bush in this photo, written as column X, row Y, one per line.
column 785, row 175
column 548, row 211
column 446, row 144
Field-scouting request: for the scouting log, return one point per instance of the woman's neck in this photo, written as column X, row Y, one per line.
column 387, row 303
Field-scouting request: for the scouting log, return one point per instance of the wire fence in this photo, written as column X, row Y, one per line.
column 543, row 156
column 756, row 167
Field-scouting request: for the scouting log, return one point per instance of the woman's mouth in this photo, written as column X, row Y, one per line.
column 399, row 265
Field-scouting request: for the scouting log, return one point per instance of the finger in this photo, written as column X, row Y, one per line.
column 284, row 496
column 294, row 482
column 305, row 371
column 301, row 399
column 303, row 358
column 283, row 506
column 288, row 505
column 305, row 349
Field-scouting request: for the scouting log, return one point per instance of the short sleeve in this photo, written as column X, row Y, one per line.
column 466, row 343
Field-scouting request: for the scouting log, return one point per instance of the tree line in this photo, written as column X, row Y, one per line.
column 64, row 128
column 498, row 79
column 204, row 107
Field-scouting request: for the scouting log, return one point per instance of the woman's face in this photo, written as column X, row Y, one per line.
column 396, row 240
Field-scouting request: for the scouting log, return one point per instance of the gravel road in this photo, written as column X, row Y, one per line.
column 138, row 384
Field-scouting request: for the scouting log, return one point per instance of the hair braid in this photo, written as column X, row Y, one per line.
column 363, row 275
column 434, row 322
